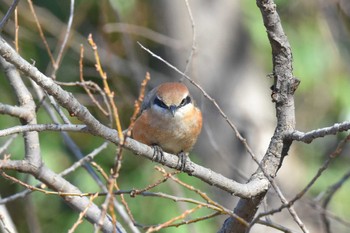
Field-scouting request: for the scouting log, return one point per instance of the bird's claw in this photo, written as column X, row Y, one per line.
column 158, row 154
column 182, row 161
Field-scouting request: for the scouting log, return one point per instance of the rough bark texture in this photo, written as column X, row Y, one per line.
column 282, row 95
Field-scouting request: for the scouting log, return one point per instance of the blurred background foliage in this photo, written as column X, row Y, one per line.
column 318, row 32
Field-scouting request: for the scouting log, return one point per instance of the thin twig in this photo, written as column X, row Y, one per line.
column 199, row 219
column 16, row 30
column 65, row 39
column 291, row 209
column 144, row 32
column 73, row 167
column 320, row 171
column 8, row 14
column 155, row 184
column 167, row 223
column 330, row 214
column 43, row 127
column 328, row 197
column 275, row 226
column 138, row 102
column 87, row 90
column 82, row 214
column 107, row 90
column 41, row 33
column 7, row 144
column 113, row 178
column 308, row 137
column 193, row 26
column 34, row 188
column 202, row 195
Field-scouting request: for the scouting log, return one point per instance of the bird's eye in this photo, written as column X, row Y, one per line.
column 160, row 103
column 185, row 101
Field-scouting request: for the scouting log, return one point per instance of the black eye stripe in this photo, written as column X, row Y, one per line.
column 185, row 101
column 160, row 103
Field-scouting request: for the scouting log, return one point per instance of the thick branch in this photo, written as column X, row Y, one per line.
column 26, row 102
column 282, row 94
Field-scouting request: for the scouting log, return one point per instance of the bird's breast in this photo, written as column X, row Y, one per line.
column 173, row 133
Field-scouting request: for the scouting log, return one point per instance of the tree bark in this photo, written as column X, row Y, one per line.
column 283, row 96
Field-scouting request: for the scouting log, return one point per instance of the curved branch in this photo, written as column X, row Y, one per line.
column 67, row 100
column 282, row 95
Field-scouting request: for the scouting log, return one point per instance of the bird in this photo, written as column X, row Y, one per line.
column 169, row 121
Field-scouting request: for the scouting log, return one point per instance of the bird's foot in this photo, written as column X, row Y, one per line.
column 182, row 161
column 158, row 154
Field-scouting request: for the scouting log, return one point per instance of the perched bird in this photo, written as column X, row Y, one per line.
column 169, row 121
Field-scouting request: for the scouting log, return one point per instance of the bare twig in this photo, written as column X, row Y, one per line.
column 138, row 102
column 43, row 127
column 276, row 226
column 79, row 163
column 202, row 195
column 65, row 40
column 195, row 220
column 39, row 189
column 193, row 26
column 7, row 143
column 16, row 30
column 144, row 32
column 81, row 215
column 308, row 137
column 8, row 14
column 344, row 221
column 320, row 171
column 87, row 90
column 328, row 197
column 166, row 224
column 85, row 159
column 41, row 33
column 290, row 209
column 107, row 90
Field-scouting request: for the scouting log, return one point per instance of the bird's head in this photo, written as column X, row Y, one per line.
column 172, row 97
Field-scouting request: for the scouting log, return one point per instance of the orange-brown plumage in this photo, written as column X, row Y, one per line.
column 169, row 119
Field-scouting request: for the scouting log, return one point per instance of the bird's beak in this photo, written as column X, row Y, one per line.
column 173, row 109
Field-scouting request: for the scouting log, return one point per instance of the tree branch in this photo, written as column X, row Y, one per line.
column 26, row 102
column 43, row 127
column 282, row 95
column 8, row 14
column 318, row 133
column 14, row 111
column 67, row 100
column 32, row 163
